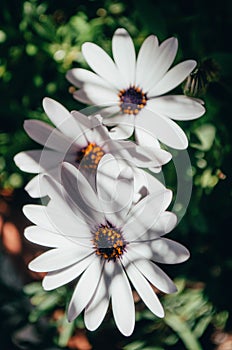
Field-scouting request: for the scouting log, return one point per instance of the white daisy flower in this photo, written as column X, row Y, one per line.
column 133, row 88
column 81, row 141
column 106, row 241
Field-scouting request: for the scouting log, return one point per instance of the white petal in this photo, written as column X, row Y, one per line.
column 28, row 161
column 122, row 301
column 120, row 119
column 79, row 76
column 165, row 223
column 34, row 188
column 37, row 161
column 109, row 112
column 98, row 95
column 146, row 58
column 80, row 191
column 55, row 279
column 85, row 289
column 164, row 59
column 102, row 64
column 178, row 107
column 47, row 135
column 76, row 226
column 46, row 238
column 121, row 131
column 81, row 96
column 143, row 288
column 62, row 118
column 166, row 251
column 152, row 272
column 145, row 214
column 137, row 156
column 59, row 258
column 38, row 215
column 124, row 55
column 146, row 138
column 97, row 307
column 146, row 183
column 172, row 78
column 163, row 128
column 115, row 192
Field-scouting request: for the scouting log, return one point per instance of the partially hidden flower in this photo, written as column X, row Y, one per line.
column 81, row 141
column 105, row 241
column 133, row 89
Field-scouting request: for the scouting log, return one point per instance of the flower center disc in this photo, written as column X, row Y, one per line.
column 109, row 242
column 89, row 157
column 132, row 100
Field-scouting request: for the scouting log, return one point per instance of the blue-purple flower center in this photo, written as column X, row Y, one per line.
column 109, row 242
column 132, row 100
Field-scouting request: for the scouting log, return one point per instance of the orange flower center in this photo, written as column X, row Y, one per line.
column 89, row 157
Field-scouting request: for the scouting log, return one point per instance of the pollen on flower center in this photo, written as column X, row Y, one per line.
column 108, row 242
column 132, row 100
column 89, row 157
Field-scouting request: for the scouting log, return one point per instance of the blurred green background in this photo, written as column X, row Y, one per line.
column 39, row 42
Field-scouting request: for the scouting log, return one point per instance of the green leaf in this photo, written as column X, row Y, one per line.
column 66, row 331
column 181, row 327
column 206, row 135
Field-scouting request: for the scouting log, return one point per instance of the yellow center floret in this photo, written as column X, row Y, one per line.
column 89, row 157
column 108, row 242
column 132, row 100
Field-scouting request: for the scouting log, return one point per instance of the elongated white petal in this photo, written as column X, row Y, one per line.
column 59, row 258
column 166, row 55
column 102, row 64
column 121, row 131
column 81, row 96
column 145, row 183
column 34, row 188
column 28, row 161
column 37, row 161
column 172, row 78
column 166, row 251
column 98, row 95
column 137, row 156
column 120, row 119
column 62, row 118
column 85, row 288
column 47, row 135
column 122, row 301
column 145, row 214
column 145, row 60
column 146, row 138
column 163, row 128
column 82, row 193
column 79, row 77
column 60, row 203
column 97, row 307
column 55, row 279
column 151, row 271
column 115, row 192
column 38, row 215
column 73, row 228
column 124, row 55
column 143, row 288
column 46, row 238
column 165, row 223
column 178, row 107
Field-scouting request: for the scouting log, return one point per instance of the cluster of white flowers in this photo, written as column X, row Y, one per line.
column 106, row 214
